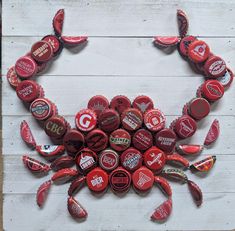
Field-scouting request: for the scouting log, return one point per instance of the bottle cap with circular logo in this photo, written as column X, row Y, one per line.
column 142, row 139
column 120, row 103
column 108, row 159
column 154, row 120
column 97, row 140
column 166, row 140
column 120, row 180
column 143, row 179
column 198, row 51
column 55, row 43
column 143, row 103
column 98, row 104
column 184, row 44
column 226, row 79
column 25, row 67
column 86, row 120
column 212, row 90
column 97, row 180
column 131, row 159
column 132, row 119
column 154, row 159
column 42, row 51
column 215, row 67
column 12, row 77
column 109, row 120
column 120, row 140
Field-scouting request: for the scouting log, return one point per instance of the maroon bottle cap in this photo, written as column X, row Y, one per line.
column 131, row 119
column 143, row 103
column 42, row 51
column 109, row 120
column 184, row 44
column 56, row 126
column 86, row 160
column 86, row 120
column 73, row 141
column 143, row 179
column 120, row 180
column 131, row 159
column 120, row 140
column 212, row 90
column 142, row 139
column 227, row 79
column 198, row 51
column 97, row 140
column 108, row 159
column 120, row 103
column 185, row 126
column 98, row 104
column 12, row 77
column 25, row 67
column 28, row 91
column 198, row 108
column 154, row 120
column 166, row 140
column 154, row 159
column 215, row 67
column 97, row 180
column 55, row 43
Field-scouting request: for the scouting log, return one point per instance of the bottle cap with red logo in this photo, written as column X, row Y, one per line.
column 131, row 159
column 42, row 51
column 184, row 126
column 25, row 67
column 198, row 51
column 215, row 67
column 120, row 180
column 142, row 139
column 86, row 160
column 29, row 90
column 86, row 120
column 120, row 103
column 143, row 103
column 97, row 140
column 131, row 119
column 166, row 140
column 98, row 104
column 154, row 120
column 73, row 141
column 226, row 79
column 109, row 120
column 108, row 160
column 154, row 159
column 12, row 77
column 184, row 44
column 143, row 179
column 120, row 140
column 97, row 180
column 55, row 43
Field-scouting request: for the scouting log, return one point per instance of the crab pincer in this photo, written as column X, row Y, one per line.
column 75, row 209
column 163, row 184
column 183, row 23
column 177, row 159
column 203, row 165
column 50, row 151
column 27, row 135
column 175, row 174
column 76, row 185
column 163, row 211
column 58, row 22
column 195, row 192
column 62, row 162
column 213, row 133
column 42, row 193
column 189, row 149
column 64, row 175
column 73, row 40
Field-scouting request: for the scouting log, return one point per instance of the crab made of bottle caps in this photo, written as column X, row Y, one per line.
column 118, row 144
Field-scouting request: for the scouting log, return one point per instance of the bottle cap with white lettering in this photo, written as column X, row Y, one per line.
column 86, row 120
column 108, row 159
column 131, row 119
column 142, row 139
column 120, row 140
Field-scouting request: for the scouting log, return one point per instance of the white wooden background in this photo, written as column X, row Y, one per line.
column 119, row 59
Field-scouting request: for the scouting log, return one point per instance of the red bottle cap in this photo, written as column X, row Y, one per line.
column 97, row 140
column 42, row 51
column 120, row 140
column 12, row 77
column 143, row 103
column 98, row 104
column 120, row 103
column 131, row 159
column 198, row 51
column 215, row 67
column 86, row 120
column 25, row 67
column 185, row 126
column 154, row 159
column 73, row 141
column 55, row 43
column 86, row 160
column 143, row 179
column 56, row 126
column 28, row 91
column 132, row 119
column 184, row 44
column 198, row 108
column 154, row 120
column 166, row 140
column 212, row 90
column 227, row 79
column 142, row 139
column 120, row 180
column 166, row 41
column 108, row 159
column 109, row 120
column 97, row 180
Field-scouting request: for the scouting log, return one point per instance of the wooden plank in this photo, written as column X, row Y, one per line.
column 118, row 18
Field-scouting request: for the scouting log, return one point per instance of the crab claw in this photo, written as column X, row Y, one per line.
column 163, row 211
column 75, row 209
column 195, row 192
column 189, row 149
column 73, row 40
column 42, row 193
column 27, row 135
column 183, row 23
column 58, row 22
column 213, row 133
column 163, row 184
column 76, row 185
column 166, row 41
column 64, row 175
